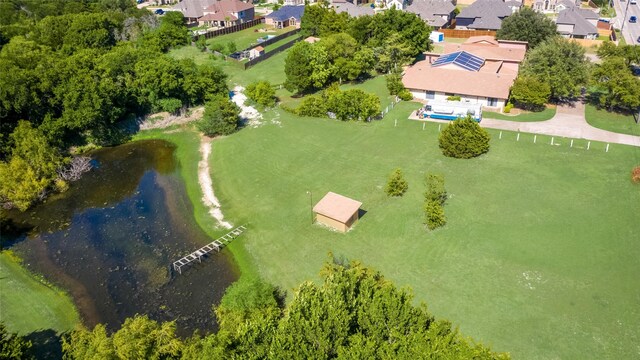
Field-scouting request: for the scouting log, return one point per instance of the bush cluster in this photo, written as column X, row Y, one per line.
column 464, row 139
column 435, row 197
column 352, row 104
column 262, row 93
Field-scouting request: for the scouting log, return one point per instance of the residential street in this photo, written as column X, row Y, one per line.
column 631, row 31
column 568, row 122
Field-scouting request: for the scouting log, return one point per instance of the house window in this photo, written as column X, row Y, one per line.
column 449, row 94
column 493, row 102
column 429, row 95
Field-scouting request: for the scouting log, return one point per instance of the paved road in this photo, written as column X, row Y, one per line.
column 631, row 31
column 568, row 122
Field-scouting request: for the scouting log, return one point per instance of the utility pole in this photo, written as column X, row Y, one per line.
column 624, row 19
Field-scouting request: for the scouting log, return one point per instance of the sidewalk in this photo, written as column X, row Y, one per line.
column 568, row 122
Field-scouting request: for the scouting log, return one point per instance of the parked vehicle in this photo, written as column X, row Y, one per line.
column 159, row 12
column 450, row 110
column 638, row 40
column 633, row 19
column 633, row 2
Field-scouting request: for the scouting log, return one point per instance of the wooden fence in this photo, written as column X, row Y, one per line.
column 273, row 39
column 455, row 33
column 235, row 28
column 275, row 51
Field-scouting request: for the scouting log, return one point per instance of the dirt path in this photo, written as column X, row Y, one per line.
column 206, row 184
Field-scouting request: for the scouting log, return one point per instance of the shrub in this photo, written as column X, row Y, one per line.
column 464, row 139
column 435, row 189
column 262, row 93
column 454, row 98
column 231, row 47
column 170, row 105
column 216, row 47
column 394, row 83
column 397, row 185
column 220, row 117
column 405, row 95
column 508, row 107
column 434, row 214
column 201, row 43
column 313, row 106
column 635, row 174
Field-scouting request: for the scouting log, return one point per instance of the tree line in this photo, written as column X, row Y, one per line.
column 73, row 71
column 354, row 313
column 352, row 48
column 556, row 69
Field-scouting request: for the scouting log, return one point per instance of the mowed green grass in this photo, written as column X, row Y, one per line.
column 271, row 70
column 27, row 305
column 540, row 254
column 247, row 37
column 543, row 115
column 605, row 120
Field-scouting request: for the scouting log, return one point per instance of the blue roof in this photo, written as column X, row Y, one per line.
column 287, row 12
column 461, row 58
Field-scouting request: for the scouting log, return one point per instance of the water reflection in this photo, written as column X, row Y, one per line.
column 111, row 238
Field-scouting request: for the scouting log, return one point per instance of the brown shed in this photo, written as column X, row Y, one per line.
column 337, row 211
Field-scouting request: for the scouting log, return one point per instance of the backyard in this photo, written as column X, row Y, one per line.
column 514, row 268
column 245, row 38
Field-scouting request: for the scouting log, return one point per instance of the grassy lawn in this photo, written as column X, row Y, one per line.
column 620, row 123
column 271, row 70
column 550, row 273
column 270, row 47
column 543, row 115
column 28, row 305
column 246, row 37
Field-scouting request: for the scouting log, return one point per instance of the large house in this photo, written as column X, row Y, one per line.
column 287, row 15
column 436, row 13
column 354, row 10
column 551, row 6
column 577, row 23
column 486, row 14
column 219, row 13
column 480, row 71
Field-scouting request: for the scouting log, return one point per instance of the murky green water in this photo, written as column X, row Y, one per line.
column 111, row 238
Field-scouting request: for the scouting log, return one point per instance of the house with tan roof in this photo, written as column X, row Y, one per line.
column 480, row 71
column 436, row 13
column 216, row 13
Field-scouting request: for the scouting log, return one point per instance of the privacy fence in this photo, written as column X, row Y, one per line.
column 235, row 28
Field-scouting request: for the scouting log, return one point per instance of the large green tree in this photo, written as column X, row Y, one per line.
column 527, row 25
column 306, row 67
column 561, row 63
column 530, row 93
column 31, row 168
column 618, row 87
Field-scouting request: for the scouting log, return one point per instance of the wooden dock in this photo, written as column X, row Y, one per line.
column 216, row 245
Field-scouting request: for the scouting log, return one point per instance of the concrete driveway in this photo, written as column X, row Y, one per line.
column 568, row 122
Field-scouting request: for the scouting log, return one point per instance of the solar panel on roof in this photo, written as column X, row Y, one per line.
column 461, row 58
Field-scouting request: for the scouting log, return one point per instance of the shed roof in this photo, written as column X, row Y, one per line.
column 337, row 207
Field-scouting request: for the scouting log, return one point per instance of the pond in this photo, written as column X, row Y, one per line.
column 111, row 238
